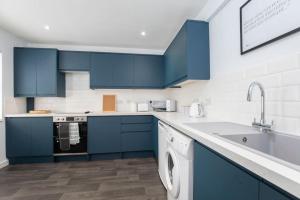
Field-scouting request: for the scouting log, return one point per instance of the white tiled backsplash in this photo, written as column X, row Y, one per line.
column 226, row 92
column 80, row 98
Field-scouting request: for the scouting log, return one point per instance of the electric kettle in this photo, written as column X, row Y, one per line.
column 196, row 110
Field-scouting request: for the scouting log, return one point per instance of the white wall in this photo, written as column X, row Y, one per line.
column 276, row 66
column 10, row 104
column 80, row 98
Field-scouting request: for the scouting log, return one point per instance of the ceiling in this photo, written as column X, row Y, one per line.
column 113, row 23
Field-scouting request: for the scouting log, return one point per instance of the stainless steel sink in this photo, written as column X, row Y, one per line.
column 281, row 146
column 277, row 145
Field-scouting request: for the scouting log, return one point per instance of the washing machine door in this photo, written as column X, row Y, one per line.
column 172, row 173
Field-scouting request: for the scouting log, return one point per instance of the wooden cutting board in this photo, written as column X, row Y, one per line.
column 39, row 111
column 109, row 103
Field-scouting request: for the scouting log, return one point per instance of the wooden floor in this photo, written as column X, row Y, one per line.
column 128, row 179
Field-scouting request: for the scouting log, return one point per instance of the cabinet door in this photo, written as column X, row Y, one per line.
column 268, row 193
column 104, row 135
column 123, row 75
column 136, row 141
column 155, row 137
column 110, row 70
column 148, row 71
column 176, row 58
column 216, row 178
column 41, row 136
column 46, row 65
column 101, row 74
column 18, row 137
column 24, row 72
column 74, row 61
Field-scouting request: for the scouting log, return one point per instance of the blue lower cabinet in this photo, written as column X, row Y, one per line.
column 217, row 179
column 29, row 137
column 104, row 135
column 269, row 193
column 155, row 137
column 138, row 119
column 42, row 137
column 136, row 127
column 136, row 141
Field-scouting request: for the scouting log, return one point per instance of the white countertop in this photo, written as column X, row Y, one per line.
column 285, row 177
column 79, row 114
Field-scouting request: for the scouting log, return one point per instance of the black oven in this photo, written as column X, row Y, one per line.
column 69, row 135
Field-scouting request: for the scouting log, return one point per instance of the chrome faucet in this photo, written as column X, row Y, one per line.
column 262, row 124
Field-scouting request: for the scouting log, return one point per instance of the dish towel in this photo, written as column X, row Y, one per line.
column 64, row 138
column 74, row 133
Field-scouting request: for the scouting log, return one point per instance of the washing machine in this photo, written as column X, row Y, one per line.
column 178, row 165
column 163, row 130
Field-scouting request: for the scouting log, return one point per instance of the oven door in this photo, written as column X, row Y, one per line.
column 63, row 140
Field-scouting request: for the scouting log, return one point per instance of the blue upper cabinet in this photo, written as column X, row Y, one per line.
column 113, row 70
column 109, row 70
column 148, row 71
column 187, row 57
column 36, row 73
column 24, row 72
column 74, row 61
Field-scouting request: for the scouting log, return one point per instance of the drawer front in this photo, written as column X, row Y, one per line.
column 136, row 127
column 136, row 141
column 136, row 119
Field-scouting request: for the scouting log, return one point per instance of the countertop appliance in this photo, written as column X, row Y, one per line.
column 170, row 105
column 70, row 135
column 158, row 106
column 143, row 107
column 176, row 163
column 196, row 110
column 163, row 106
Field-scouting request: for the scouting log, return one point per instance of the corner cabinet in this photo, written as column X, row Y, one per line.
column 216, row 177
column 36, row 73
column 187, row 57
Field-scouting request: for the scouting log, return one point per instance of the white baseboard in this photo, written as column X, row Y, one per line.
column 4, row 163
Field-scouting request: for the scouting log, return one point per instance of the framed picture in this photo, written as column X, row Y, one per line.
column 265, row 21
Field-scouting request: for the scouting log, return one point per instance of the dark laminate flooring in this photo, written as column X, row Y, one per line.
column 128, row 179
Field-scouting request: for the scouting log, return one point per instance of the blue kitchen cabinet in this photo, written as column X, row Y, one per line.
column 104, row 135
column 41, row 136
column 216, row 178
column 136, row 133
column 74, row 61
column 155, row 137
column 269, row 193
column 187, row 57
column 136, row 141
column 29, row 137
column 111, row 70
column 149, row 71
column 36, row 73
column 24, row 72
